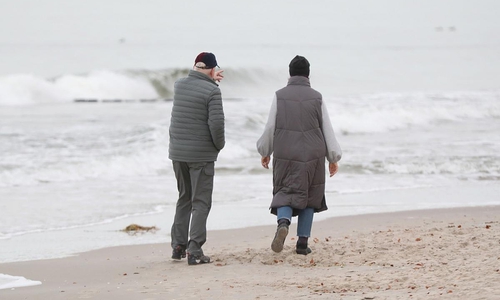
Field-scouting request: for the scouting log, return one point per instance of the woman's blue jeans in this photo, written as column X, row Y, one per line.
column 305, row 221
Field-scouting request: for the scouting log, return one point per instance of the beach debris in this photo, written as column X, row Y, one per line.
column 134, row 229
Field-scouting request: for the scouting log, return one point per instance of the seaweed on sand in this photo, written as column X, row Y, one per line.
column 133, row 229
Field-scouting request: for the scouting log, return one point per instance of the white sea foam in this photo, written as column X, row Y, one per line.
column 10, row 282
column 95, row 147
column 105, row 85
column 28, row 89
column 130, row 85
column 390, row 111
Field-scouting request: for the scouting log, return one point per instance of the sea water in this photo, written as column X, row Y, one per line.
column 85, row 100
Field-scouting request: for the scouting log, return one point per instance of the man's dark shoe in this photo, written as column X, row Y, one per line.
column 279, row 238
column 302, row 249
column 178, row 252
column 198, row 259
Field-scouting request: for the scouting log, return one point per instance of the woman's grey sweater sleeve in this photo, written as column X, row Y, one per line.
column 265, row 142
column 334, row 153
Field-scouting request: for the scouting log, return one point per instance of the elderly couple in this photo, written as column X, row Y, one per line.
column 298, row 133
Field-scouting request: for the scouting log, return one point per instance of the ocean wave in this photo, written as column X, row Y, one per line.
column 126, row 85
column 52, row 143
column 382, row 112
column 28, row 89
column 354, row 113
column 78, row 155
column 469, row 167
column 110, row 152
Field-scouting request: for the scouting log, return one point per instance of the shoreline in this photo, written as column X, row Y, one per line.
column 242, row 214
column 446, row 252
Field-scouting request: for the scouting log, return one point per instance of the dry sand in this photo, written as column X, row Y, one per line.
column 429, row 254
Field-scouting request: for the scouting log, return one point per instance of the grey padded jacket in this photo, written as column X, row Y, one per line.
column 197, row 121
column 299, row 148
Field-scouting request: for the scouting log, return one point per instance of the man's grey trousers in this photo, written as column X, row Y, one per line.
column 195, row 181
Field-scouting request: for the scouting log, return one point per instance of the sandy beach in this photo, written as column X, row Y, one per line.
column 426, row 254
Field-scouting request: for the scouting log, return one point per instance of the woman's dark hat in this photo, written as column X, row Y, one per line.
column 299, row 66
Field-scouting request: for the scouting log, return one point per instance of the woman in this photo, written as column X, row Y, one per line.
column 299, row 134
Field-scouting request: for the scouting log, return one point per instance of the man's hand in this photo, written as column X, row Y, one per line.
column 265, row 161
column 218, row 75
column 333, row 168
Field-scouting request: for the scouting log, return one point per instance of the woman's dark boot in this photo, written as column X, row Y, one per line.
column 280, row 236
column 301, row 247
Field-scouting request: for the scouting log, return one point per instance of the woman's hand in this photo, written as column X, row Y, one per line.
column 265, row 161
column 333, row 168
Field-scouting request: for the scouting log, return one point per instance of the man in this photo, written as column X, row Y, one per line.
column 300, row 135
column 196, row 137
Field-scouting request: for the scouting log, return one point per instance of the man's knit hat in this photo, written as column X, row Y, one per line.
column 299, row 66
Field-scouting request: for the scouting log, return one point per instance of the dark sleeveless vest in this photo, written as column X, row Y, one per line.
column 299, row 148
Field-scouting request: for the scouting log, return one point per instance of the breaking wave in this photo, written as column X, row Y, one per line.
column 25, row 89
